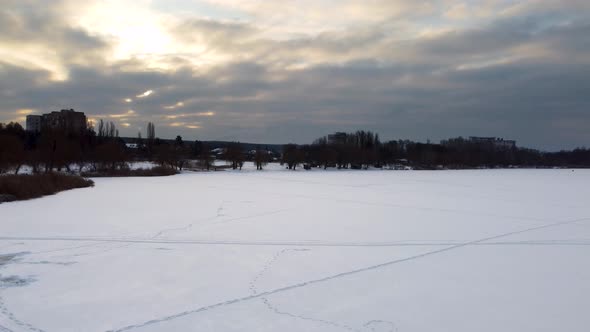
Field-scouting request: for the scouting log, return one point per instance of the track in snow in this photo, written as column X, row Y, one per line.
column 311, row 243
column 340, row 275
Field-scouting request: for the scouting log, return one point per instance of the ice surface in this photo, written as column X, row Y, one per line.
column 486, row 250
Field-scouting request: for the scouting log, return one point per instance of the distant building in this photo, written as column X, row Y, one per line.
column 494, row 141
column 218, row 151
column 68, row 120
column 34, row 123
column 337, row 138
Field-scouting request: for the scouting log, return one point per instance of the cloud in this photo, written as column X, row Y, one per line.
column 418, row 70
column 187, row 125
column 25, row 111
column 175, row 106
column 128, row 114
column 35, row 35
column 145, row 94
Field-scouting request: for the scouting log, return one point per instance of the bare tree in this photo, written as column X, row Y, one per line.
column 292, row 156
column 261, row 158
column 110, row 156
column 151, row 139
column 151, row 131
column 101, row 129
column 204, row 155
column 12, row 153
column 235, row 155
column 173, row 156
column 111, row 130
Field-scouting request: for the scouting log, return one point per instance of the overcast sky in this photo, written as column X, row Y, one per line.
column 292, row 70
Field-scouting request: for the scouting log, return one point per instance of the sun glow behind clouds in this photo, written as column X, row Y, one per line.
column 131, row 25
column 146, row 38
column 189, row 115
column 120, row 116
column 189, row 125
column 145, row 94
column 25, row 111
column 141, row 31
column 175, row 106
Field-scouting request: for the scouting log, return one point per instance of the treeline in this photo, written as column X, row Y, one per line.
column 363, row 149
column 101, row 151
column 59, row 150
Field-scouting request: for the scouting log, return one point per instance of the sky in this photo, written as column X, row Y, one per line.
column 291, row 71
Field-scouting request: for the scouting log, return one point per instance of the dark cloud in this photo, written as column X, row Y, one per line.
column 26, row 21
column 521, row 77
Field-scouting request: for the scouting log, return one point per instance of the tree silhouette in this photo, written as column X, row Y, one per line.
column 292, row 156
column 261, row 158
column 234, row 154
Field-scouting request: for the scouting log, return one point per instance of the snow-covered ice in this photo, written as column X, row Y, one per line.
column 482, row 250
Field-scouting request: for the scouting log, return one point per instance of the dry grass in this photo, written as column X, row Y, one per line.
column 156, row 171
column 32, row 186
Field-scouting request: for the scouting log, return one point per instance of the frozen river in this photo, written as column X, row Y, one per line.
column 485, row 250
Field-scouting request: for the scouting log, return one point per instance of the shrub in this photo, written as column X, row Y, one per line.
column 156, row 171
column 32, row 186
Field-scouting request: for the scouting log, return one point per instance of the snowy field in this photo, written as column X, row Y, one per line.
column 486, row 250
